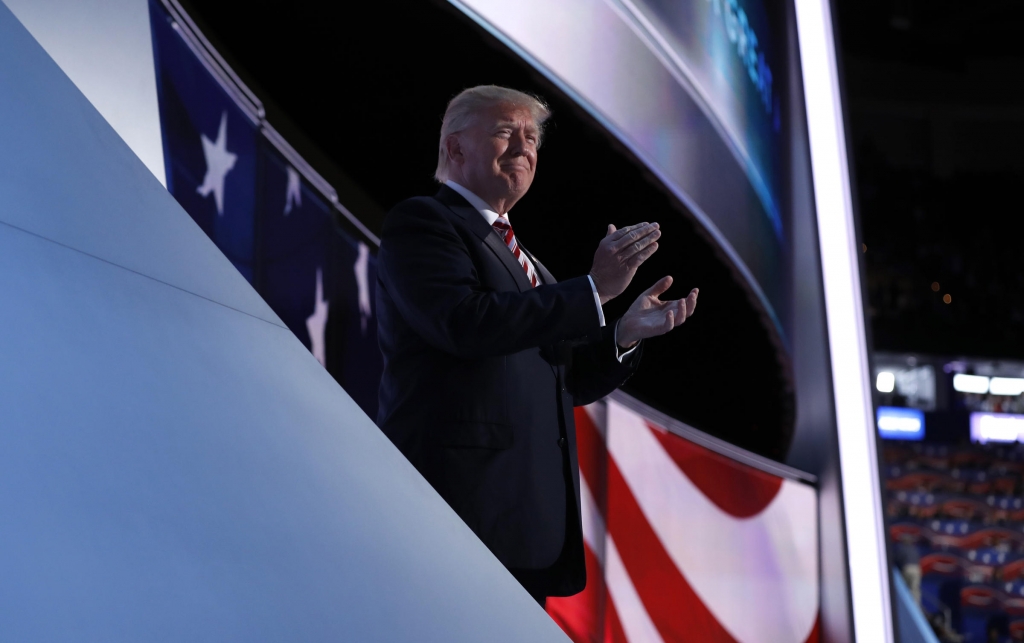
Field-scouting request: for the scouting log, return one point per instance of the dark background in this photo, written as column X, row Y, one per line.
column 936, row 118
column 361, row 94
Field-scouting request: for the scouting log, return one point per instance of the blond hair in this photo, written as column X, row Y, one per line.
column 469, row 102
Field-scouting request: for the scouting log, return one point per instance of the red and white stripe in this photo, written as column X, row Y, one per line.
column 504, row 229
column 683, row 544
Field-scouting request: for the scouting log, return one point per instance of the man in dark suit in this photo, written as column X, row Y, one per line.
column 486, row 354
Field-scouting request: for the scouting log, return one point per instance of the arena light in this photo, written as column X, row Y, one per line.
column 996, row 427
column 865, row 535
column 897, row 423
column 885, row 382
column 1006, row 386
column 970, row 383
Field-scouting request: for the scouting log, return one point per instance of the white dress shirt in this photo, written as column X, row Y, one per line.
column 491, row 216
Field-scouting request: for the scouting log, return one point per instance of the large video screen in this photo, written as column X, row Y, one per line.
column 694, row 89
column 683, row 542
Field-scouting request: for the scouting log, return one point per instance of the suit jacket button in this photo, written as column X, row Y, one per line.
column 561, row 442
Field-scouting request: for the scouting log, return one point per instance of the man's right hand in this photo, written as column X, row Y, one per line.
column 649, row 316
column 618, row 256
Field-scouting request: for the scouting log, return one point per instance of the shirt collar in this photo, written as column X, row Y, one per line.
column 481, row 206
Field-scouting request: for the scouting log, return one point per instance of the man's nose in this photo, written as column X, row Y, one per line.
column 520, row 145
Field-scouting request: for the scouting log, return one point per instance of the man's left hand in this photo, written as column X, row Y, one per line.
column 650, row 317
column 618, row 256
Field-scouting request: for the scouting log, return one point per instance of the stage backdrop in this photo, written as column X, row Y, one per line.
column 684, row 543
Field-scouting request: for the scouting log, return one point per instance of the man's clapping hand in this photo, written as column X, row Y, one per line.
column 618, row 256
column 650, row 317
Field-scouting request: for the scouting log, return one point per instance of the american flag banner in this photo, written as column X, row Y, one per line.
column 210, row 144
column 683, row 543
column 267, row 210
column 318, row 279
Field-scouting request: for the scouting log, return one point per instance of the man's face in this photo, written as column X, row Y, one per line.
column 499, row 154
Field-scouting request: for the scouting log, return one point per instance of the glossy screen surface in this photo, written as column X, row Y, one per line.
column 694, row 90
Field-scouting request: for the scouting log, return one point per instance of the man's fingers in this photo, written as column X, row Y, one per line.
column 621, row 232
column 638, row 246
column 686, row 307
column 644, row 255
column 661, row 317
column 611, row 229
column 631, row 234
column 659, row 286
column 683, row 313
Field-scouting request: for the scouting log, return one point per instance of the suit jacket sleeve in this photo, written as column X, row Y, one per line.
column 427, row 269
column 596, row 370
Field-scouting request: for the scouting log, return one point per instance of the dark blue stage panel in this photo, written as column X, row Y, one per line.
column 174, row 464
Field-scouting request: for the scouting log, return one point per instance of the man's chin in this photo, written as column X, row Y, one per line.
column 517, row 185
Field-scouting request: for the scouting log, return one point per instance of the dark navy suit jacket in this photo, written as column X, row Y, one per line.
column 481, row 373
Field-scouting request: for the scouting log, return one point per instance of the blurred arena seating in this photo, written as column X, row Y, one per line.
column 956, row 514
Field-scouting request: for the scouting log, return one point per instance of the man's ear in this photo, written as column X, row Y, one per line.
column 454, row 149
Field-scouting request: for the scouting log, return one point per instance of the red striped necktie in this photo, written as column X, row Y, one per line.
column 504, row 229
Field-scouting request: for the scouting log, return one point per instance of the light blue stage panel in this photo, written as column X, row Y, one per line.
column 174, row 465
column 67, row 176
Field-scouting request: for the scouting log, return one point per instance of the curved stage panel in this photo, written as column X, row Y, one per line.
column 174, row 464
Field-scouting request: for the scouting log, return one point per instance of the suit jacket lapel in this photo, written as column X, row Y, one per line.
column 486, row 233
column 481, row 229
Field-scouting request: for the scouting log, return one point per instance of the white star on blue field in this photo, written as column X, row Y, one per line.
column 293, row 193
column 219, row 161
column 316, row 324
